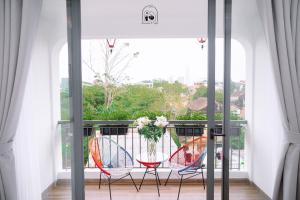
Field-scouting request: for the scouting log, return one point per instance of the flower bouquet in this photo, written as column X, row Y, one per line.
column 152, row 131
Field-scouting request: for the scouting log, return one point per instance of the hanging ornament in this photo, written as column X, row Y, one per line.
column 111, row 44
column 202, row 40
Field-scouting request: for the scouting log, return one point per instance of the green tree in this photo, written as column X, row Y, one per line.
column 173, row 88
column 110, row 72
column 136, row 98
column 200, row 92
column 93, row 98
column 65, row 105
column 176, row 95
column 219, row 95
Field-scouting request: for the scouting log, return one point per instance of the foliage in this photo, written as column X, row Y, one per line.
column 200, row 92
column 93, row 95
column 65, row 105
column 134, row 101
column 89, row 112
column 137, row 98
column 175, row 137
column 192, row 116
column 175, row 95
column 85, row 149
column 219, row 95
column 233, row 116
column 238, row 142
column 107, row 114
column 170, row 88
column 93, row 99
column 151, row 132
column 150, row 115
column 203, row 116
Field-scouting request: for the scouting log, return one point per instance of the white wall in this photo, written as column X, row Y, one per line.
column 266, row 124
column 264, row 116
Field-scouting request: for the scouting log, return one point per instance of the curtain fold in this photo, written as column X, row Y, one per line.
column 18, row 25
column 281, row 20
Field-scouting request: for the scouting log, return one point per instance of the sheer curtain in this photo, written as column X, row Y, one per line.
column 282, row 25
column 18, row 24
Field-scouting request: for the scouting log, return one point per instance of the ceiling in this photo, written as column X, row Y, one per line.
column 123, row 18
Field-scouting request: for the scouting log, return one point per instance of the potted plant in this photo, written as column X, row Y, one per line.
column 152, row 132
column 113, row 128
column 189, row 129
column 87, row 130
column 234, row 130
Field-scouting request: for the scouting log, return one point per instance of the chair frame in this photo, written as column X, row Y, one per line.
column 107, row 174
column 190, row 169
column 154, row 166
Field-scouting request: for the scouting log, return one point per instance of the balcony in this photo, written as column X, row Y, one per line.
column 177, row 133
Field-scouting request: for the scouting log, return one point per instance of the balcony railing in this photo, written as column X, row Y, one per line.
column 176, row 134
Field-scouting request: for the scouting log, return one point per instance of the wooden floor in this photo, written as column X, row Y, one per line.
column 238, row 191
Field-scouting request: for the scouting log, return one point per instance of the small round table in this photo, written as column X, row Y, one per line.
column 152, row 163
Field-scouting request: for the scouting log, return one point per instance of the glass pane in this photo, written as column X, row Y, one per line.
column 145, row 61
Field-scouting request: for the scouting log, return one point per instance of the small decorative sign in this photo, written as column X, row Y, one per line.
column 150, row 15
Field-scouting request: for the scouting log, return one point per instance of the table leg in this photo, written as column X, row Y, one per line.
column 157, row 181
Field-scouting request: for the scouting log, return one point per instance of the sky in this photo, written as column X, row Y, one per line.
column 168, row 59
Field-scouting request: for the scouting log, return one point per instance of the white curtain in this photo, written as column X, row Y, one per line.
column 18, row 25
column 282, row 25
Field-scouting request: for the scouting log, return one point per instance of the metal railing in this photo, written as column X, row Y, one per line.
column 177, row 133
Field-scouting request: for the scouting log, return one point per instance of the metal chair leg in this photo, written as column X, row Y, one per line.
column 203, row 179
column 168, row 178
column 179, row 187
column 157, row 182
column 133, row 182
column 143, row 178
column 109, row 180
column 100, row 180
column 158, row 179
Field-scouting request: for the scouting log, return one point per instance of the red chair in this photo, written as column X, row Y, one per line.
column 188, row 160
column 113, row 160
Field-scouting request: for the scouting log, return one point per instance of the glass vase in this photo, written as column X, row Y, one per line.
column 151, row 150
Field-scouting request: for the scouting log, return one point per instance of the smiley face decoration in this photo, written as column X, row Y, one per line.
column 150, row 15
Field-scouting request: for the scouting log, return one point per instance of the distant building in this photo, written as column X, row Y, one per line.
column 147, row 83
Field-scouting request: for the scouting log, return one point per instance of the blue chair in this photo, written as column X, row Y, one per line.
column 188, row 161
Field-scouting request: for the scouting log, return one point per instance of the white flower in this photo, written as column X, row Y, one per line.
column 161, row 122
column 142, row 121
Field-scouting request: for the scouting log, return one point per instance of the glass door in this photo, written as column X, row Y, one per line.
column 109, row 24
